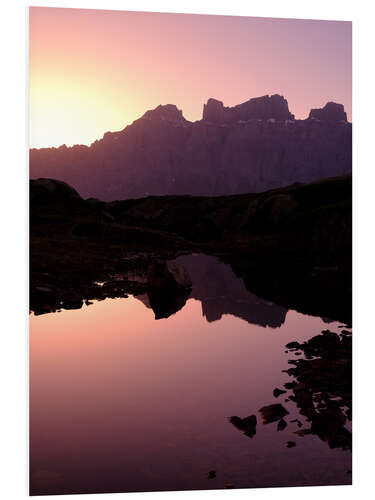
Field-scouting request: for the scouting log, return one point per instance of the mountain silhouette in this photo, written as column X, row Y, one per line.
column 252, row 147
column 221, row 292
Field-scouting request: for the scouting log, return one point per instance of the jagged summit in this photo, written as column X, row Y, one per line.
column 167, row 112
column 251, row 147
column 262, row 108
column 331, row 112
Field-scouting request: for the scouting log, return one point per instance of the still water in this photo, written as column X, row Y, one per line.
column 122, row 402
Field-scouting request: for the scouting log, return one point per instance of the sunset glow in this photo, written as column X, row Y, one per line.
column 92, row 71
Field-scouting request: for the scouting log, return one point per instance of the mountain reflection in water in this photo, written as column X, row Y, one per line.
column 220, row 292
column 120, row 402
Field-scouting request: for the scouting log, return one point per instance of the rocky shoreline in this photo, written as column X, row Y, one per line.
column 321, row 388
column 290, row 245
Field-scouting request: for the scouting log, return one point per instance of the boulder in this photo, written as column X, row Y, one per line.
column 281, row 425
column 71, row 300
column 168, row 275
column 167, row 301
column 43, row 188
column 169, row 287
column 277, row 392
column 247, row 425
column 273, row 413
column 290, row 444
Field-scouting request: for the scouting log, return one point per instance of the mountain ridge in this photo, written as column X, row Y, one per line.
column 251, row 147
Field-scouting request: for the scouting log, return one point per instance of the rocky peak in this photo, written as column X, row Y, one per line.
column 166, row 112
column 261, row 108
column 213, row 111
column 332, row 112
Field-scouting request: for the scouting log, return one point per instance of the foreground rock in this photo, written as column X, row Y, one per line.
column 273, row 413
column 169, row 275
column 247, row 425
column 321, row 389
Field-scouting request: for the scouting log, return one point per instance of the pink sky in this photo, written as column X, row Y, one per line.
column 93, row 70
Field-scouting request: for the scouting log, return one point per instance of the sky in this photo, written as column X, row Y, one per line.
column 93, row 71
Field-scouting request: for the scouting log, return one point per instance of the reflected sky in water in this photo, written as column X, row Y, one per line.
column 122, row 402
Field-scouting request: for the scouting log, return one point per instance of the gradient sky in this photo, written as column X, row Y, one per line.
column 94, row 70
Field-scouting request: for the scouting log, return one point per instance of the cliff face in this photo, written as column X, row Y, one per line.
column 251, row 147
column 260, row 108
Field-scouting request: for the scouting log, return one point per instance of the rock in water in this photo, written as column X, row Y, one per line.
column 166, row 302
column 277, row 392
column 273, row 413
column 247, row 425
column 281, row 425
column 290, row 444
column 169, row 286
column 168, row 275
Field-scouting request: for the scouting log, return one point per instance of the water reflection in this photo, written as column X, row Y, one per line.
column 120, row 402
column 218, row 289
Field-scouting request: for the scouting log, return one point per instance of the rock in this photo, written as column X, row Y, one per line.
column 168, row 275
column 298, row 422
column 45, row 189
column 166, row 302
column 281, row 425
column 43, row 299
column 273, row 413
column 290, row 444
column 346, row 333
column 44, row 289
column 277, row 392
column 247, row 425
column 71, row 300
column 169, row 286
column 303, row 432
column 43, row 309
column 293, row 345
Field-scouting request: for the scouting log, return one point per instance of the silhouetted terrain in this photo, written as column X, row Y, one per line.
column 252, row 147
column 221, row 292
column 291, row 246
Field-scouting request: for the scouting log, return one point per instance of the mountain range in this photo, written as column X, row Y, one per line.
column 252, row 147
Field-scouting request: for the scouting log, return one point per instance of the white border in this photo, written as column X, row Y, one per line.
column 13, row 372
